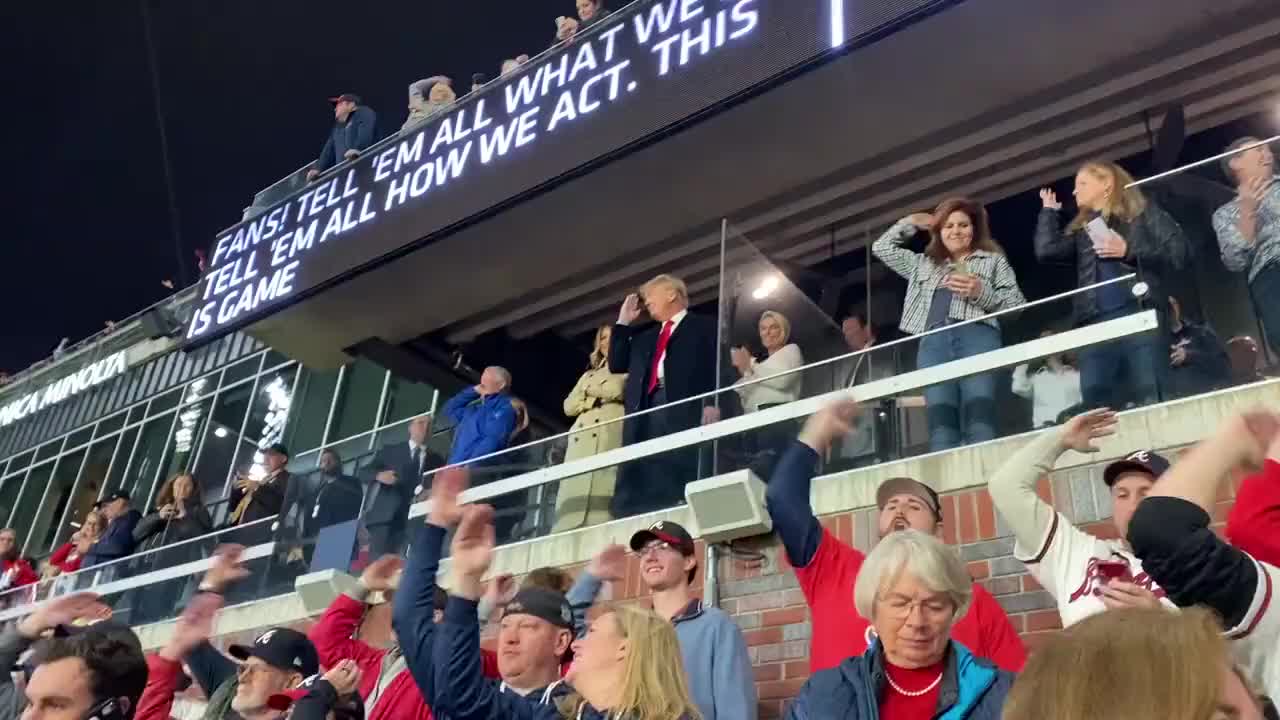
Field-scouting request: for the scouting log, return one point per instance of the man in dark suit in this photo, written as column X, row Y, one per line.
column 393, row 479
column 316, row 501
column 669, row 362
column 254, row 500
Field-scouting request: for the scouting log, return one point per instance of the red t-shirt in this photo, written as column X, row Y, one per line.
column 896, row 706
column 839, row 632
column 1254, row 522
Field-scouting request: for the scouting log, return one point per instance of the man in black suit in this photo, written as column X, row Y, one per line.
column 666, row 363
column 393, row 478
column 316, row 501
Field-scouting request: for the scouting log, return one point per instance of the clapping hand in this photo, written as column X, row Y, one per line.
column 1050, row 199
column 1080, row 432
column 741, row 359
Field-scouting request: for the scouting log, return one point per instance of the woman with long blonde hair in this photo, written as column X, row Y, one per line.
column 1116, row 231
column 1134, row 664
column 627, row 667
column 596, row 403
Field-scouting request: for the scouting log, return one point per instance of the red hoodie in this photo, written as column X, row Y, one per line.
column 1254, row 522
column 22, row 572
column 401, row 699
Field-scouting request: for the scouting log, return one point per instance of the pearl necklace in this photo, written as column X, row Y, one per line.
column 913, row 693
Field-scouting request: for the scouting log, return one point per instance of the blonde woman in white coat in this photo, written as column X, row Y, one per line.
column 596, row 402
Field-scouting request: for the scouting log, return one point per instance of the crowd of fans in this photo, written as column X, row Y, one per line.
column 1169, row 620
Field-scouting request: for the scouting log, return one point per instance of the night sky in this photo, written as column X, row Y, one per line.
column 243, row 88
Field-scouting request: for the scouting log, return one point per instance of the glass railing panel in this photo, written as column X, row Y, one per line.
column 1222, row 315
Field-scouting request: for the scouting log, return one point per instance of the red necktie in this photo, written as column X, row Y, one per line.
column 663, row 338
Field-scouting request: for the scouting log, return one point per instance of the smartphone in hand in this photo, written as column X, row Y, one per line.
column 1098, row 231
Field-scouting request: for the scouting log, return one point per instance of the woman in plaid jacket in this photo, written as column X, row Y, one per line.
column 962, row 275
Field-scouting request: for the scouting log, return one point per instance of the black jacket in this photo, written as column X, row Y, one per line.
column 389, row 504
column 317, row 501
column 357, row 133
column 194, row 524
column 690, row 368
column 1157, row 248
column 267, row 501
column 1207, row 366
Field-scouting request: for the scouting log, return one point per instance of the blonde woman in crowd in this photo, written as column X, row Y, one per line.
column 596, row 402
column 771, row 381
column 1134, row 664
column 1117, row 231
column 627, row 667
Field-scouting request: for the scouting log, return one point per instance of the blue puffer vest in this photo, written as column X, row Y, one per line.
column 972, row 689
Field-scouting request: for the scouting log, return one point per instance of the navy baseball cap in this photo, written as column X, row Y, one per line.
column 668, row 532
column 281, row 648
column 1143, row 461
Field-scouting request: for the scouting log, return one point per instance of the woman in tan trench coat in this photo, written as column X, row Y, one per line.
column 596, row 400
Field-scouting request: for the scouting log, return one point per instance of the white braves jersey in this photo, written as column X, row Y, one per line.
column 1066, row 564
column 1256, row 638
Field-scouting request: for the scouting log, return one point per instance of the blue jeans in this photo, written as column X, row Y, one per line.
column 1128, row 371
column 1265, row 293
column 965, row 408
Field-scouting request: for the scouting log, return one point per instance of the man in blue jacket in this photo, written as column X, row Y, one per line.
column 484, row 417
column 117, row 540
column 354, row 130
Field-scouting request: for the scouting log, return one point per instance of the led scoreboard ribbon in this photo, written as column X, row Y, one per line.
column 642, row 71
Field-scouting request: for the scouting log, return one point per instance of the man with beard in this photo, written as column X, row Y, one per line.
column 826, row 567
column 278, row 660
column 326, row 497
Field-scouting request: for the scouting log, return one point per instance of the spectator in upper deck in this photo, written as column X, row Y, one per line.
column 1117, row 231
column 484, row 417
column 14, row 571
column 67, row 558
column 1198, row 360
column 511, row 65
column 961, row 275
column 1249, row 229
column 596, row 402
column 772, row 381
column 426, row 98
column 117, row 540
column 1052, row 384
column 354, row 129
column 591, row 12
column 393, row 478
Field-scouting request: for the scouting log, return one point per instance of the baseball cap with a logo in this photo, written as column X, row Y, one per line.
column 1143, row 461
column 668, row 532
column 281, row 648
column 542, row 603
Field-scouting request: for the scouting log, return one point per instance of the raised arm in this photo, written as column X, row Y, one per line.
column 889, row 246
column 1051, row 244
column 1170, row 531
column 455, row 408
column 1034, row 522
column 334, row 634
column 787, row 496
column 461, row 690
column 1254, row 522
